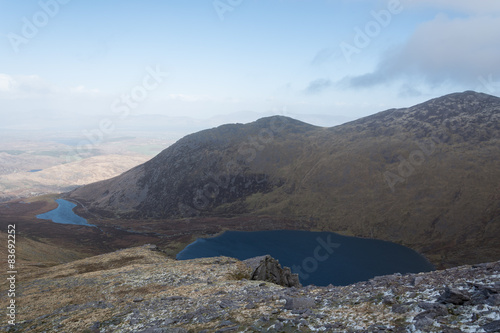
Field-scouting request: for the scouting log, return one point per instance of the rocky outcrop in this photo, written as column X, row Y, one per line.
column 266, row 268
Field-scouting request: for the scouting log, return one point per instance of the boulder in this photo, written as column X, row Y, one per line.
column 266, row 268
column 300, row 303
column 485, row 295
column 453, row 296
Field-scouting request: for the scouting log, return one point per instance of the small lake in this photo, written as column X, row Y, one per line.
column 64, row 214
column 320, row 258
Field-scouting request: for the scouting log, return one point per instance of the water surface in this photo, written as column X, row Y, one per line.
column 320, row 258
column 64, row 214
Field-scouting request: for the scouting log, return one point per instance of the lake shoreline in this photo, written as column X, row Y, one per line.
column 317, row 257
column 64, row 214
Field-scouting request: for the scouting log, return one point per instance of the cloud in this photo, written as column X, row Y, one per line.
column 24, row 84
column 5, row 83
column 441, row 51
column 318, row 86
column 29, row 86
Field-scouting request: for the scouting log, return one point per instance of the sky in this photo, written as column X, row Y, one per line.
column 74, row 64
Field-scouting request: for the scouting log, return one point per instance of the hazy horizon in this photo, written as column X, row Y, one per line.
column 128, row 67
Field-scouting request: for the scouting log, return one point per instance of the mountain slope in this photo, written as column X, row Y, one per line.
column 426, row 176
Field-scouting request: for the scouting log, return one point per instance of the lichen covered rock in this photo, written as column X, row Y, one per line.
column 266, row 268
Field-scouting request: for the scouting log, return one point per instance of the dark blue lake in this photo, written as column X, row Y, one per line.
column 320, row 258
column 64, row 214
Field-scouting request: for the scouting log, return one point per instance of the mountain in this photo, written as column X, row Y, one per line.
column 140, row 290
column 427, row 177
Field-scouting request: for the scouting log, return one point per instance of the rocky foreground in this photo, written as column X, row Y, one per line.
column 141, row 290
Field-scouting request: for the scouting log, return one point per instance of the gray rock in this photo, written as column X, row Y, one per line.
column 430, row 315
column 172, row 298
column 388, row 301
column 433, row 313
column 494, row 326
column 301, row 303
column 225, row 323
column 335, row 325
column 278, row 326
column 377, row 328
column 418, row 280
column 493, row 300
column 400, row 308
column 176, row 330
column 227, row 303
column 227, row 329
column 453, row 296
column 436, row 307
column 485, row 295
column 164, row 330
column 95, row 326
column 423, row 323
column 266, row 268
column 250, row 305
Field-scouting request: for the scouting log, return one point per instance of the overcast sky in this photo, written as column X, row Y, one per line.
column 80, row 61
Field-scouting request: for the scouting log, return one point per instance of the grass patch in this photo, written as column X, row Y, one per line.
column 242, row 272
column 112, row 264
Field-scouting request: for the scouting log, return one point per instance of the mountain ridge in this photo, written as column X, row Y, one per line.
column 426, row 176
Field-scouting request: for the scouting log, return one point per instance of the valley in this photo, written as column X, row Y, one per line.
column 43, row 243
column 43, row 163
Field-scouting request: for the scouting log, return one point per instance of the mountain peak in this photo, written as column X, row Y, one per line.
column 416, row 176
column 468, row 110
column 463, row 99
